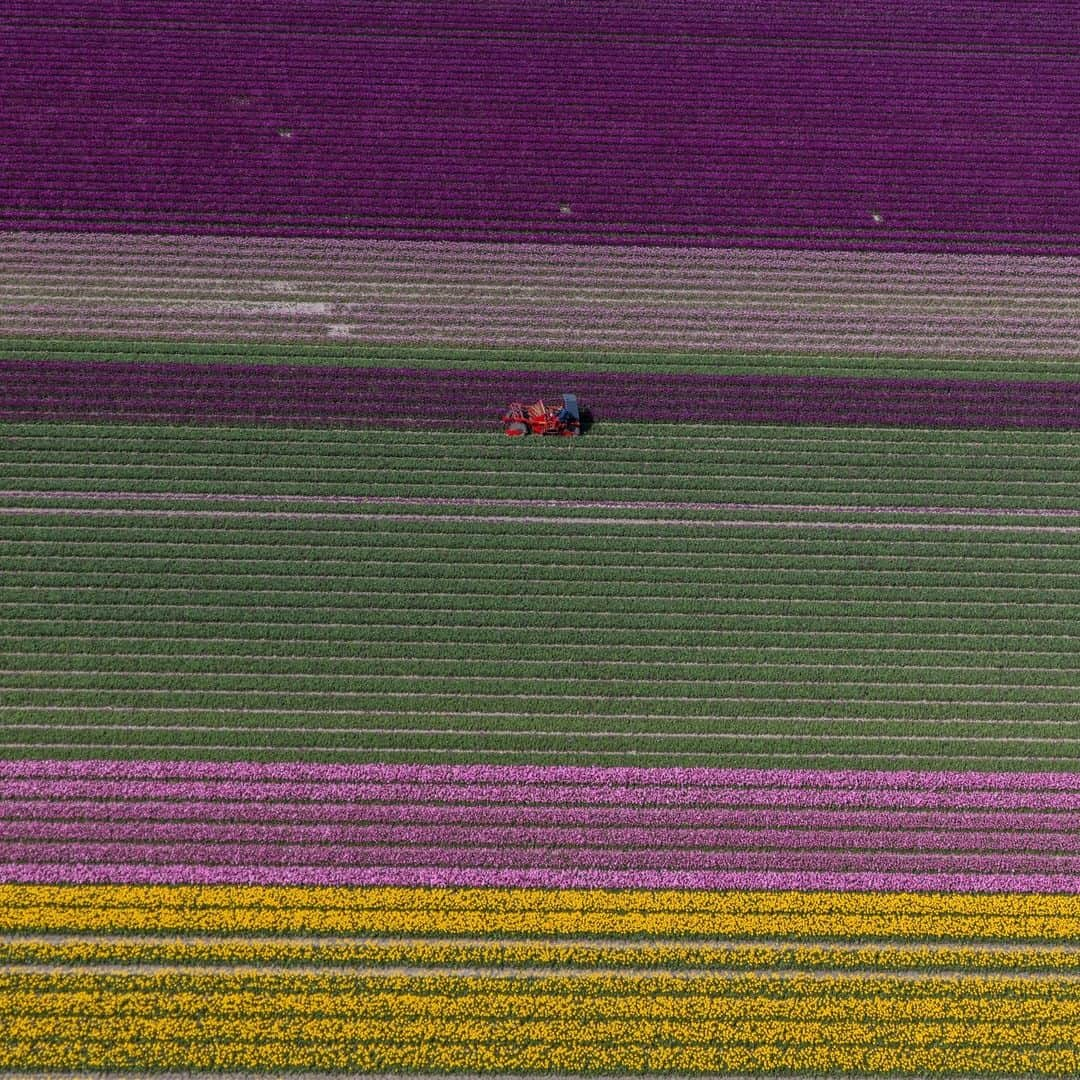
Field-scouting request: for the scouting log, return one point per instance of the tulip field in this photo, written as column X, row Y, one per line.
column 341, row 735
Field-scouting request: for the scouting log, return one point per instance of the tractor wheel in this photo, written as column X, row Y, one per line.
column 516, row 428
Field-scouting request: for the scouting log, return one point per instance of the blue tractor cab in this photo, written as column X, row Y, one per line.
column 569, row 410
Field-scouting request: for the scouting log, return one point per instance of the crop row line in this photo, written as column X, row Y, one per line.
column 535, row 519
column 716, row 569
column 506, row 665
column 1017, row 598
column 52, row 622
column 173, row 693
column 621, row 442
column 267, row 679
column 361, row 736
column 372, row 652
column 501, row 661
column 561, row 503
column 436, row 527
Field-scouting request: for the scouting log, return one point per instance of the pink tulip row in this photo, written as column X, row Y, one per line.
column 598, row 794
column 587, row 775
column 135, row 873
column 237, row 814
column 176, row 822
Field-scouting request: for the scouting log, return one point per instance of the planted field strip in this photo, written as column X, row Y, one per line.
column 68, row 822
column 711, row 125
column 901, row 920
column 502, row 359
column 403, row 397
column 255, row 977
column 562, row 298
column 838, row 469
column 779, row 633
column 759, row 641
column 448, row 1021
column 123, row 950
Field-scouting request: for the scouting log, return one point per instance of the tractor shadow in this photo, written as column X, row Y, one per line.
column 585, row 420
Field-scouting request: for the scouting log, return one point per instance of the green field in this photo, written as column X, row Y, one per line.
column 293, row 623
column 1002, row 366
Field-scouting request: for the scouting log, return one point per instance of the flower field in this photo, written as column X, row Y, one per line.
column 341, row 735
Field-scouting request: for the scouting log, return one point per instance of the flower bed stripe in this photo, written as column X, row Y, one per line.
column 414, row 845
column 879, row 306
column 418, row 397
column 617, row 1022
column 707, row 124
column 490, row 913
column 517, row 957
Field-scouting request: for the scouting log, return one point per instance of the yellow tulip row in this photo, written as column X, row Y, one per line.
column 790, row 925
column 505, row 901
column 972, row 1003
column 536, row 913
column 558, row 1051
column 591, row 1031
column 528, row 954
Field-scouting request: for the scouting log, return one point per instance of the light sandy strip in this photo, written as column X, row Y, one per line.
column 535, row 519
column 665, row 299
column 583, row 504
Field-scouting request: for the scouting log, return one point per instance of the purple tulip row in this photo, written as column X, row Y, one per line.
column 381, row 396
column 640, row 17
column 817, row 126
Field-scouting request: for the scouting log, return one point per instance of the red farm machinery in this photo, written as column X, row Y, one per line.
column 541, row 419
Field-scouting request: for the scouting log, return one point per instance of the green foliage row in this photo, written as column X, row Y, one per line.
column 60, row 348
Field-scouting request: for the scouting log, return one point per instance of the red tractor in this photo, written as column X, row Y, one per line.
column 543, row 419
